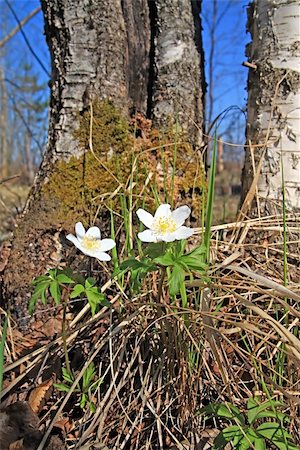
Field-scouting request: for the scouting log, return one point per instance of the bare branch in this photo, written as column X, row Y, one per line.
column 19, row 26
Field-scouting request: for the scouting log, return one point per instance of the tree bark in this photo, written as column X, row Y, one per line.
column 274, row 103
column 144, row 56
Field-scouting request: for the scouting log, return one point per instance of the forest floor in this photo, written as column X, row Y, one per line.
column 170, row 374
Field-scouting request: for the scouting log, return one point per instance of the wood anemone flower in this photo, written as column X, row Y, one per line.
column 165, row 226
column 90, row 243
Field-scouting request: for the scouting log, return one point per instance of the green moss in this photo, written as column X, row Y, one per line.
column 83, row 185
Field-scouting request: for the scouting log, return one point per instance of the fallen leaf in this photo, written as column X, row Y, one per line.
column 39, row 396
column 64, row 424
column 17, row 445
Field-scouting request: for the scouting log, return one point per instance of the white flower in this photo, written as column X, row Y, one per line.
column 165, row 226
column 90, row 243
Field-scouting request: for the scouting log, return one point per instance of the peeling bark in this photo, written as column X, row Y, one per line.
column 145, row 56
column 274, row 117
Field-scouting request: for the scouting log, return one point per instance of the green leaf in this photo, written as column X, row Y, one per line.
column 89, row 282
column 64, row 279
column 88, row 377
column 133, row 264
column 67, row 376
column 176, row 279
column 227, row 435
column 92, row 406
column 39, row 293
column 62, row 387
column 259, row 444
column 198, row 251
column 40, row 279
column 154, row 250
column 52, row 273
column 95, row 298
column 286, row 446
column 77, row 290
column 83, row 401
column 255, row 406
column 273, row 415
column 55, row 291
column 193, row 263
column 228, row 411
column 273, row 431
column 165, row 260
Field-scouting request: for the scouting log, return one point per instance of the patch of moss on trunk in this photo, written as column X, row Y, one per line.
column 84, row 187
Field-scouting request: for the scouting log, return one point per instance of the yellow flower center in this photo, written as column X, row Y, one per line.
column 91, row 243
column 164, row 225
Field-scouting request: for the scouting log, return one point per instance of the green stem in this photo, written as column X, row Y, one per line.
column 161, row 282
column 64, row 333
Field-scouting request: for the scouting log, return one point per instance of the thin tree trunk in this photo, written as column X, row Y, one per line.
column 144, row 56
column 274, row 103
column 4, row 150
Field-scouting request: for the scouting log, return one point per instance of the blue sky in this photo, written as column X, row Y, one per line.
column 229, row 76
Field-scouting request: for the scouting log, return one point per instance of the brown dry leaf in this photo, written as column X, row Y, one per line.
column 22, row 368
column 17, row 445
column 39, row 396
column 65, row 424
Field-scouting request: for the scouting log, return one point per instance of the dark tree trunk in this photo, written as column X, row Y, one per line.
column 144, row 56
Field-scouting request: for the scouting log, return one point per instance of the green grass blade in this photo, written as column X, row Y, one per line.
column 2, row 347
column 210, row 198
column 174, row 163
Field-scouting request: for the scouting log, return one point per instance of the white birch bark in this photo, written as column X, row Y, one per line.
column 274, row 117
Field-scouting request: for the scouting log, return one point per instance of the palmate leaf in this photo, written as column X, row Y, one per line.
column 165, row 260
column 40, row 279
column 281, row 417
column 62, row 387
column 227, row 435
column 255, row 406
column 68, row 377
column 55, row 291
column 88, row 377
column 64, row 279
column 226, row 411
column 277, row 435
column 78, row 289
column 96, row 299
column 39, row 293
column 176, row 279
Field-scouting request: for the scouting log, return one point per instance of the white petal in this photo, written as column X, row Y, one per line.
column 147, row 236
column 167, row 237
column 77, row 244
column 145, row 217
column 73, row 239
column 107, row 244
column 93, row 232
column 102, row 256
column 181, row 214
column 183, row 233
column 79, row 229
column 163, row 211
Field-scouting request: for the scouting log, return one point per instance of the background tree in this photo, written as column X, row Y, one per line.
column 142, row 56
column 273, row 104
column 23, row 101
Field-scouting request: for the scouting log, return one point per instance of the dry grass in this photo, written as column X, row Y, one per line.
column 12, row 200
column 158, row 368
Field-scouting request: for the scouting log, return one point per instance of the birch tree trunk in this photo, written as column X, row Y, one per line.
column 142, row 55
column 274, row 103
